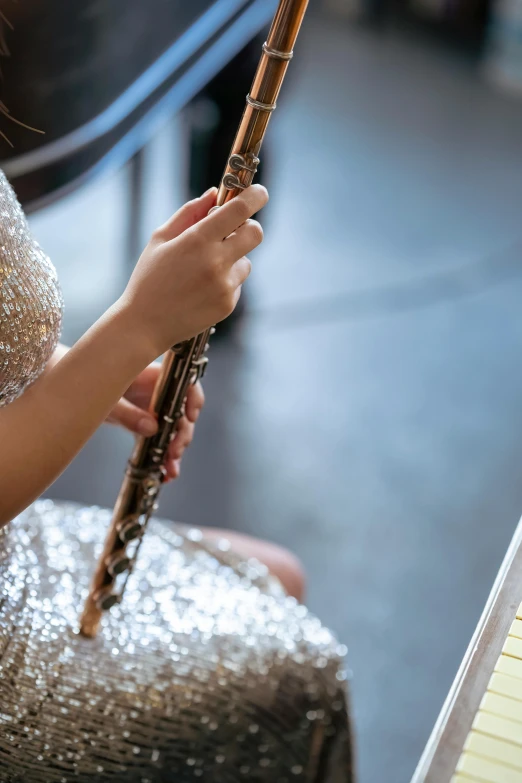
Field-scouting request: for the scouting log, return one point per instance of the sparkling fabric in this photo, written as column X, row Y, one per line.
column 30, row 301
column 206, row 671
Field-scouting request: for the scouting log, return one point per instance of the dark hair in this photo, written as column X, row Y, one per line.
column 5, row 52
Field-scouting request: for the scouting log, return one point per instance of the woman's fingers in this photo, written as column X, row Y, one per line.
column 225, row 220
column 195, row 402
column 186, row 217
column 182, row 439
column 245, row 239
column 173, row 468
column 140, row 392
column 133, row 418
column 184, row 433
column 239, row 273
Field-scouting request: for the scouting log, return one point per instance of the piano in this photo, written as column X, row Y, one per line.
column 99, row 77
column 478, row 736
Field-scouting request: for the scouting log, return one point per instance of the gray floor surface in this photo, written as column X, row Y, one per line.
column 368, row 415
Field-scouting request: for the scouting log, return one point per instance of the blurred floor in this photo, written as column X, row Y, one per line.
column 369, row 416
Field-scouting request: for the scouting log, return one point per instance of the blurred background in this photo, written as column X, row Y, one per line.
column 364, row 406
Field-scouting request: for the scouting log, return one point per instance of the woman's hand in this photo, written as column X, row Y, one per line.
column 132, row 412
column 188, row 278
column 190, row 274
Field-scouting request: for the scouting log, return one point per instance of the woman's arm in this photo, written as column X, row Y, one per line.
column 188, row 278
column 43, row 430
column 132, row 411
column 58, row 354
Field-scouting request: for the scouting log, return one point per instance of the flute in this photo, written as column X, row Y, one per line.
column 186, row 362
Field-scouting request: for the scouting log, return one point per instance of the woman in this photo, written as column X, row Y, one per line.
column 209, row 669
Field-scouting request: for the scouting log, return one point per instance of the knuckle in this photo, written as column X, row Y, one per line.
column 260, row 196
column 243, row 207
column 213, row 272
column 243, row 267
column 158, row 235
column 228, row 296
column 256, row 232
column 231, row 306
column 218, row 282
column 193, row 237
column 224, row 284
column 227, row 288
column 264, row 193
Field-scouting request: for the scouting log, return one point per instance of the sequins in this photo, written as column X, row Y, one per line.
column 30, row 301
column 206, row 671
column 173, row 689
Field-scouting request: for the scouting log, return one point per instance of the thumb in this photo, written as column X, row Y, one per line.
column 133, row 418
column 189, row 214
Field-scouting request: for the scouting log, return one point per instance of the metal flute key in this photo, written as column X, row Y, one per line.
column 186, row 362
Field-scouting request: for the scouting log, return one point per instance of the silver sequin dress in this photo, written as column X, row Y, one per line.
column 206, row 672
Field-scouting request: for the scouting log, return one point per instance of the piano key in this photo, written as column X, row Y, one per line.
column 485, row 770
column 508, row 665
column 498, row 727
column 516, row 629
column 512, row 647
column 460, row 778
column 503, row 706
column 505, row 685
column 494, row 749
column 519, row 612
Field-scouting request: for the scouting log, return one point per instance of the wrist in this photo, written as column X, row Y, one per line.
column 124, row 319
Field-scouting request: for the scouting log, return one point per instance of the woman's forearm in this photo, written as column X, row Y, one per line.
column 64, row 407
column 188, row 277
column 58, row 354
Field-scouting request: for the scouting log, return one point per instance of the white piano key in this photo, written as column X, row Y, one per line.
column 498, row 727
column 485, row 770
column 516, row 629
column 494, row 749
column 503, row 706
column 505, row 685
column 513, row 647
column 508, row 665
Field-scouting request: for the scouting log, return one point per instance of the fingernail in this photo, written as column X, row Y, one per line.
column 147, row 427
column 207, row 192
